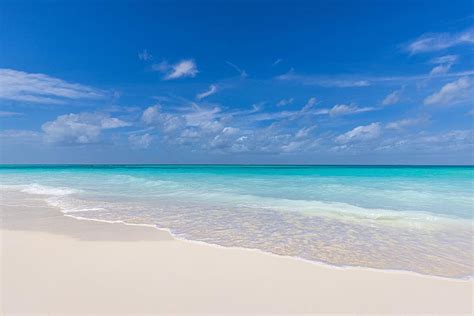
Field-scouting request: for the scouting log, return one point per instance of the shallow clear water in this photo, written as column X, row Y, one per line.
column 405, row 218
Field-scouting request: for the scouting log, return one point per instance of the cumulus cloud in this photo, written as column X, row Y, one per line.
column 153, row 116
column 451, row 93
column 182, row 69
column 81, row 128
column 140, row 141
column 439, row 41
column 344, row 109
column 40, row 88
column 212, row 90
column 237, row 131
column 360, row 133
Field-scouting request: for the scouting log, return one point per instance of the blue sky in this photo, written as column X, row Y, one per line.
column 316, row 82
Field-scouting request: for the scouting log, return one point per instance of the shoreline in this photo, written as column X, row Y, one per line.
column 47, row 254
column 317, row 263
column 208, row 244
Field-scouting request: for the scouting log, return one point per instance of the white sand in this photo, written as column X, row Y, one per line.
column 55, row 265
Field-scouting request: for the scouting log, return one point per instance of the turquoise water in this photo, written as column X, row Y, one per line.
column 405, row 218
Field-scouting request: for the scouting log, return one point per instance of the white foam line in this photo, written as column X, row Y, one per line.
column 314, row 262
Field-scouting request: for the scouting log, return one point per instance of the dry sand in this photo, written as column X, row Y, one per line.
column 57, row 265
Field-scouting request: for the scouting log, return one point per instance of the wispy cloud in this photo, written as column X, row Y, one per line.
column 40, row 88
column 212, row 90
column 392, row 98
column 311, row 102
column 445, row 59
column 242, row 72
column 276, row 62
column 144, row 55
column 20, row 136
column 360, row 81
column 451, row 93
column 182, row 69
column 8, row 114
column 408, row 122
column 423, row 142
column 344, row 109
column 438, row 41
column 323, row 81
column 360, row 133
column 443, row 64
column 284, row 102
column 305, row 131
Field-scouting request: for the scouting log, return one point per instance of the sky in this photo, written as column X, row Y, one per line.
column 277, row 82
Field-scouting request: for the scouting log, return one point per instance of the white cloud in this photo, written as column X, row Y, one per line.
column 446, row 59
column 401, row 124
column 243, row 73
column 344, row 109
column 112, row 122
column 185, row 68
column 8, row 114
column 440, row 41
column 81, row 128
column 212, row 89
column 360, row 133
column 444, row 64
column 140, row 141
column 167, row 122
column 324, row 81
column 440, row 69
column 309, row 105
column 182, row 69
column 392, row 98
column 284, row 102
column 150, row 114
column 423, row 142
column 40, row 88
column 237, row 131
column 305, row 132
column 360, row 81
column 144, row 55
column 311, row 102
column 451, row 93
column 18, row 136
column 276, row 62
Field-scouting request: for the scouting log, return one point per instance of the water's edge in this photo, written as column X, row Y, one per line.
column 267, row 253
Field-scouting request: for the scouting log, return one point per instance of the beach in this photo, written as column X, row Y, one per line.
column 57, row 265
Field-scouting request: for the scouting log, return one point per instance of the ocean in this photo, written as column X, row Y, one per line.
column 416, row 219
